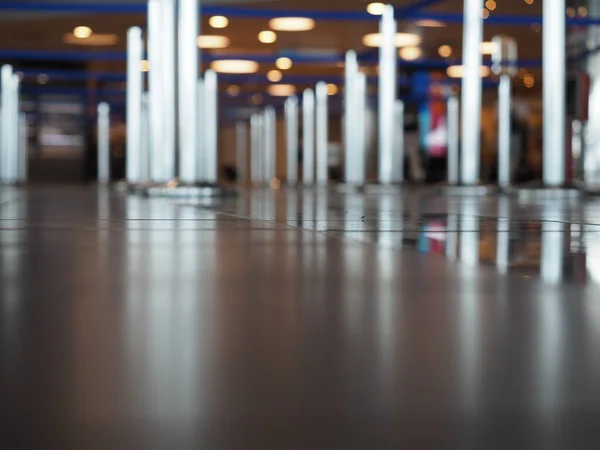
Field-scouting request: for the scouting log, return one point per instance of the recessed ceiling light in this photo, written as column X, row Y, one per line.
column 445, row 51
column 82, row 32
column 430, row 23
column 213, row 41
column 458, row 71
column 402, row 40
column 234, row 66
column 487, row 48
column 529, row 81
column 233, row 90
column 283, row 63
column 376, row 8
column 410, row 53
column 490, row 4
column 218, row 21
column 292, row 24
column 281, row 90
column 256, row 99
column 94, row 40
column 267, row 37
column 274, row 76
column 332, row 89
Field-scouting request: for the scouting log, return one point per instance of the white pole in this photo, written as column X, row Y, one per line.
column 398, row 150
column 145, row 144
column 453, row 118
column 388, row 171
column 260, row 152
column 188, row 86
column 269, row 144
column 350, row 160
column 201, row 173
column 291, row 124
column 554, row 59
column 471, row 91
column 308, row 136
column 23, row 148
column 211, row 116
column 104, row 143
column 241, row 143
column 322, row 133
column 156, row 94
column 14, row 149
column 504, row 133
column 255, row 148
column 5, row 125
column 134, row 104
column 360, row 102
column 169, row 86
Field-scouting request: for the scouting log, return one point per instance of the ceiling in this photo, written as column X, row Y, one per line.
column 37, row 31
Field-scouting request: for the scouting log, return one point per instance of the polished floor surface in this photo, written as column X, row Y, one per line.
column 305, row 319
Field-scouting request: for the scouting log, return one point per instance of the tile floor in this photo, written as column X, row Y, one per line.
column 296, row 320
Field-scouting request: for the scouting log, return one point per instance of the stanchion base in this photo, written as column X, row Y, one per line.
column 188, row 191
column 470, row 191
column 587, row 188
column 537, row 191
column 383, row 188
column 349, row 189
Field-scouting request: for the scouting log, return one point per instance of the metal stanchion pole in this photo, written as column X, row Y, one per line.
column 471, row 92
column 578, row 146
column 211, row 117
column 201, row 158
column 322, row 133
column 145, row 144
column 255, row 148
column 505, row 59
column 554, row 52
column 308, row 136
column 291, row 136
column 5, row 126
column 388, row 171
column 453, row 140
column 504, row 133
column 360, row 102
column 14, row 148
column 104, row 143
column 168, row 67
column 187, row 92
column 241, row 144
column 350, row 160
column 398, row 151
column 260, row 152
column 23, row 148
column 156, row 93
column 269, row 118
column 134, row 103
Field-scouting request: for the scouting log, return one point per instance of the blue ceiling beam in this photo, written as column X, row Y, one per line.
column 298, row 58
column 410, row 12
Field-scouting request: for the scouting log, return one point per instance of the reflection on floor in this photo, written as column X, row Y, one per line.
column 298, row 319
